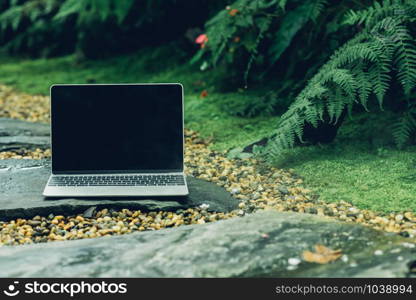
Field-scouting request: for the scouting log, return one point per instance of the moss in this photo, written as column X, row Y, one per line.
column 366, row 171
column 205, row 115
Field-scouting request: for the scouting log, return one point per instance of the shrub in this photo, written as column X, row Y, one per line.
column 96, row 27
column 363, row 67
column 377, row 60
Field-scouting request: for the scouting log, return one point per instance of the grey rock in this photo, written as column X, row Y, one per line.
column 89, row 213
column 16, row 134
column 8, row 143
column 22, row 183
column 283, row 189
column 264, row 244
column 13, row 127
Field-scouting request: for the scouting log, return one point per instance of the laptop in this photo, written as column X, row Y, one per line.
column 117, row 140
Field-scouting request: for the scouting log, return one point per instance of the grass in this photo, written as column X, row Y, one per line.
column 380, row 180
column 206, row 115
column 357, row 168
column 362, row 166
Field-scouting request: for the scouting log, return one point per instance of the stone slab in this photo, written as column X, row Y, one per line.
column 258, row 245
column 13, row 127
column 22, row 183
column 18, row 134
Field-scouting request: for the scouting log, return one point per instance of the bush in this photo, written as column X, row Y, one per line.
column 95, row 28
column 374, row 68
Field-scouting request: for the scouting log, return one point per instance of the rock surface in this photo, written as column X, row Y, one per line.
column 13, row 127
column 22, row 183
column 259, row 245
column 16, row 134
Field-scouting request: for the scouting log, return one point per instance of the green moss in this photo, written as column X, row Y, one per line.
column 359, row 168
column 205, row 115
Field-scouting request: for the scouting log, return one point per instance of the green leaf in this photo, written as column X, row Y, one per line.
column 122, row 8
column 292, row 22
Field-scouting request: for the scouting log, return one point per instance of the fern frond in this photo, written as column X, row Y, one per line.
column 403, row 128
column 364, row 85
column 375, row 13
column 405, row 59
column 317, row 7
column 11, row 17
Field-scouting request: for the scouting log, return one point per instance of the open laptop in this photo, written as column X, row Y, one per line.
column 117, row 140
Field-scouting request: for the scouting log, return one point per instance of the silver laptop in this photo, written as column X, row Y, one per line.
column 117, row 140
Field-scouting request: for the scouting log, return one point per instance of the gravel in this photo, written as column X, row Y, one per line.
column 256, row 185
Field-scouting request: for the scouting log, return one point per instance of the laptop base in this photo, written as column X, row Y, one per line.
column 113, row 190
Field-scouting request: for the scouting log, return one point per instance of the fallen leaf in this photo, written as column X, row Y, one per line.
column 322, row 255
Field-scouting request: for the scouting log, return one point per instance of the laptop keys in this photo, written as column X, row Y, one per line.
column 118, row 180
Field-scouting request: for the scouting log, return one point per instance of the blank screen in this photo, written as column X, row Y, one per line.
column 117, row 128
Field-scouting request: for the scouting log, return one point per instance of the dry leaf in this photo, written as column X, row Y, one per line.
column 322, row 255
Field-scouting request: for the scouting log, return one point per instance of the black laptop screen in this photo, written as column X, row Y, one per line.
column 99, row 128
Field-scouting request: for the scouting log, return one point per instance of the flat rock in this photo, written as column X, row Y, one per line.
column 22, row 183
column 13, row 127
column 16, row 134
column 259, row 245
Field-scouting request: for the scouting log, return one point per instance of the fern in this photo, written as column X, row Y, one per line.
column 360, row 68
column 12, row 17
column 316, row 8
column 404, row 127
column 290, row 25
column 86, row 10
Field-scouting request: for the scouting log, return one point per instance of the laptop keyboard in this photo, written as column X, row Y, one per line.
column 117, row 180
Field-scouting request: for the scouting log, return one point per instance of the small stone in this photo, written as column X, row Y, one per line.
column 404, row 234
column 291, row 267
column 311, row 210
column 255, row 196
column 116, row 228
column 34, row 222
column 294, row 261
column 408, row 245
column 235, row 191
column 378, row 252
column 89, row 213
column 79, row 219
column 409, row 216
column 283, row 189
column 204, row 206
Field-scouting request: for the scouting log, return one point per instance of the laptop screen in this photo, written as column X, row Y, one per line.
column 127, row 128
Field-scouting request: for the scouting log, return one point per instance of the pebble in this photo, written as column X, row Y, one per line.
column 256, row 185
column 235, row 191
column 204, row 206
column 294, row 261
column 89, row 213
